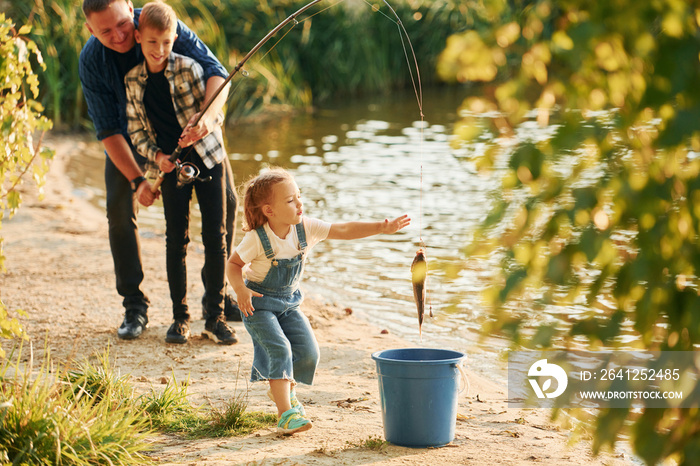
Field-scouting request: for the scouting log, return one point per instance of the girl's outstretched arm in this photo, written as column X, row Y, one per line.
column 244, row 295
column 355, row 230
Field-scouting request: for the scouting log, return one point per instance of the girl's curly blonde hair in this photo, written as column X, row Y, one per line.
column 257, row 193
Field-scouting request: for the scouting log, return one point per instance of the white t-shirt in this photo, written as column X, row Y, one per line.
column 252, row 253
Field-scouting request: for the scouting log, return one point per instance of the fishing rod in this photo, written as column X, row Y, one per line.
column 188, row 172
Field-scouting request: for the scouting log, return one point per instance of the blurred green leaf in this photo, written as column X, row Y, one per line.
column 604, row 211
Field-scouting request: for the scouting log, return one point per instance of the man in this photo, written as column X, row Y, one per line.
column 104, row 61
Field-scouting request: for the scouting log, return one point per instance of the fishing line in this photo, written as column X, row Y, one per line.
column 417, row 90
column 415, row 80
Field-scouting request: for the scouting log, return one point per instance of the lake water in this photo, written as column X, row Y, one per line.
column 369, row 159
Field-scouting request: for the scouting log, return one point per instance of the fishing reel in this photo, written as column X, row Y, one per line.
column 188, row 173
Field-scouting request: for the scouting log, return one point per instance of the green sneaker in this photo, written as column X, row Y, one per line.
column 292, row 422
column 293, row 400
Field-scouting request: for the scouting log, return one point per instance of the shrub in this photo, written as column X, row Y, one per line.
column 43, row 421
column 20, row 120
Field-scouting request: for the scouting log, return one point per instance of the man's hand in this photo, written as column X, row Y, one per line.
column 144, row 194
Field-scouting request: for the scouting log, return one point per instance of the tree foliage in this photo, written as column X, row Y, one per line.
column 590, row 115
column 20, row 120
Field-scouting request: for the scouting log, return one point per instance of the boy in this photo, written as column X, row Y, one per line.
column 163, row 93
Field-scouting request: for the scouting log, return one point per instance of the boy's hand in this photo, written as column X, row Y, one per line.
column 244, row 296
column 395, row 225
column 164, row 163
column 194, row 132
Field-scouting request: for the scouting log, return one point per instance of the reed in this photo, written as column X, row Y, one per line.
column 341, row 48
column 59, row 32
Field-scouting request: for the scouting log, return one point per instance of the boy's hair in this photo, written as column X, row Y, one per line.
column 95, row 6
column 158, row 15
column 258, row 192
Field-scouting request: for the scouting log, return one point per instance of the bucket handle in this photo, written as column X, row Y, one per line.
column 465, row 379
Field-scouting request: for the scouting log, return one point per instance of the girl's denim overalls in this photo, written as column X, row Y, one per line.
column 283, row 342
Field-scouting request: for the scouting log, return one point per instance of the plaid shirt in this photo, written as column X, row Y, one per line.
column 187, row 89
column 103, row 87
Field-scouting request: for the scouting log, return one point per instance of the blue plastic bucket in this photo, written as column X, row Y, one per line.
column 419, row 389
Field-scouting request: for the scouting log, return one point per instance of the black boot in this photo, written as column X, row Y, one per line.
column 135, row 322
column 218, row 330
column 231, row 310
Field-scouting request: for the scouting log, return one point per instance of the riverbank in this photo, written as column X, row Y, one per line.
column 60, row 273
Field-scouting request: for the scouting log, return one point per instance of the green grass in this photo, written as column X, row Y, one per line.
column 374, row 443
column 233, row 419
column 230, row 416
column 94, row 377
column 170, row 411
column 89, row 414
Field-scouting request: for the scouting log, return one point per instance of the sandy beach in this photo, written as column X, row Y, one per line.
column 60, row 273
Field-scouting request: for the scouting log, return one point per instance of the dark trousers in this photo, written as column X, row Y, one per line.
column 124, row 239
column 211, row 197
column 124, row 243
column 231, row 207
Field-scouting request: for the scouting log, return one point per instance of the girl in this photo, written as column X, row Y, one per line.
column 275, row 246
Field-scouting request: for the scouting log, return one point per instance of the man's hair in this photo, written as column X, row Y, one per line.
column 95, row 6
column 158, row 15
